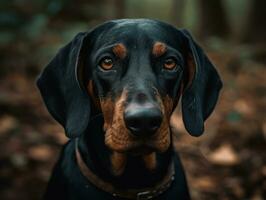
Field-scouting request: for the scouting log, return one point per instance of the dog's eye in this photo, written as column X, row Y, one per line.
column 169, row 63
column 106, row 63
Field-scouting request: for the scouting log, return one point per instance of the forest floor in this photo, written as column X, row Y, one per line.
column 227, row 162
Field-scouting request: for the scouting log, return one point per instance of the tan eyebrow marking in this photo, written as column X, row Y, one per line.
column 158, row 49
column 120, row 50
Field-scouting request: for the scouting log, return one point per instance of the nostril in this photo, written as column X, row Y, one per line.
column 155, row 122
column 132, row 122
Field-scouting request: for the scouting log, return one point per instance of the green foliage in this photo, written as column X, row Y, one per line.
column 34, row 28
column 234, row 117
column 149, row 9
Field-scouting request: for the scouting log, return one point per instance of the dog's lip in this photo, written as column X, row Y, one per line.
column 134, row 145
column 137, row 148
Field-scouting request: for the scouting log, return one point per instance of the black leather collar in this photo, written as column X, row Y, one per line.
column 139, row 194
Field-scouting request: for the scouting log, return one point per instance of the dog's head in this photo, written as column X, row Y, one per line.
column 133, row 71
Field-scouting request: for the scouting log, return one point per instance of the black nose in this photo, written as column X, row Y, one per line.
column 143, row 121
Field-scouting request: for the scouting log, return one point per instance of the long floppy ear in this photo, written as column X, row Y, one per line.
column 65, row 99
column 200, row 95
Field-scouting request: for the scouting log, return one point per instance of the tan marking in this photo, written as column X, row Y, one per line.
column 162, row 138
column 150, row 161
column 191, row 68
column 120, row 50
column 117, row 136
column 158, row 49
column 107, row 107
column 118, row 161
column 168, row 106
column 92, row 95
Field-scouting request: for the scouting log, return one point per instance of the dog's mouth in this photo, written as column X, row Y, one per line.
column 123, row 144
column 125, row 131
column 122, row 141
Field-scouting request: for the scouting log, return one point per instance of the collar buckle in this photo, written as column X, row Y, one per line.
column 145, row 195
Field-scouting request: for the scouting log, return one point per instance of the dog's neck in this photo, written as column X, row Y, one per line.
column 135, row 174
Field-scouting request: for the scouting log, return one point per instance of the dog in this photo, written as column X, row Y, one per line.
column 114, row 89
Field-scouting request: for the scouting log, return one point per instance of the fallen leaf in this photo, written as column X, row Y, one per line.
column 243, row 107
column 7, row 123
column 40, row 152
column 224, row 155
column 18, row 160
column 204, row 183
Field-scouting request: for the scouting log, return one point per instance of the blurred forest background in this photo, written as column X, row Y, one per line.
column 227, row 162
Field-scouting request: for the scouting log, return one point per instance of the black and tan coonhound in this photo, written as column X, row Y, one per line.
column 114, row 89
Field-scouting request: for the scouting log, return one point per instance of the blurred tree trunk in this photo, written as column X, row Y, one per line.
column 119, row 8
column 213, row 20
column 256, row 26
column 177, row 12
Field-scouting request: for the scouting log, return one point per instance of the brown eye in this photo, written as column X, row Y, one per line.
column 170, row 63
column 106, row 63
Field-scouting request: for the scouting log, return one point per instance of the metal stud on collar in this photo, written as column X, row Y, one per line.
column 145, row 195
